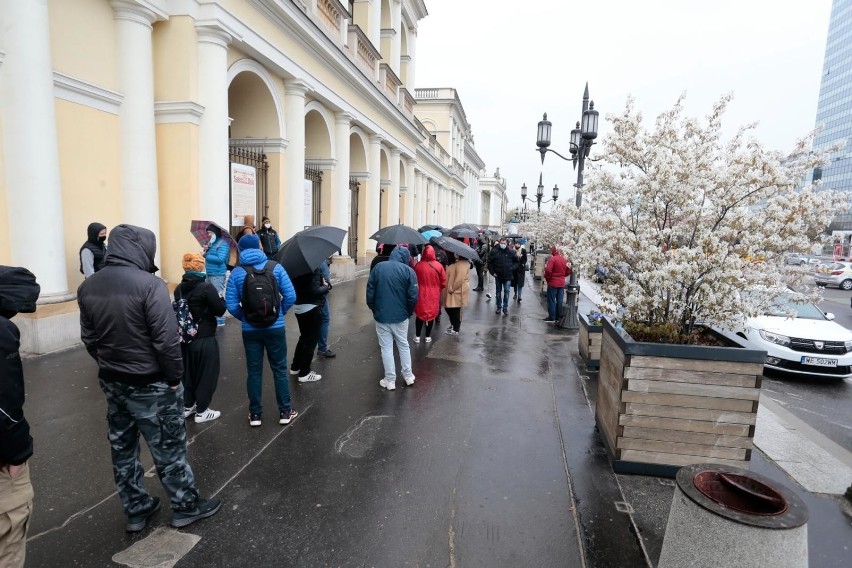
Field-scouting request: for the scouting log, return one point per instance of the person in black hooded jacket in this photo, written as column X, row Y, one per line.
column 18, row 293
column 127, row 324
column 201, row 355
column 311, row 290
column 93, row 252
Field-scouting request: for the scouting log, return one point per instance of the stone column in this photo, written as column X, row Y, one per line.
column 396, row 41
column 294, row 176
column 375, row 31
column 31, row 161
column 138, row 145
column 340, row 189
column 213, row 172
column 412, row 54
column 393, row 192
column 410, row 192
column 374, row 188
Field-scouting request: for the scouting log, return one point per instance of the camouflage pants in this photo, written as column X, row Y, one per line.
column 155, row 411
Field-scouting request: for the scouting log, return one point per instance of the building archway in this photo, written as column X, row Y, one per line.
column 319, row 164
column 255, row 142
column 358, row 176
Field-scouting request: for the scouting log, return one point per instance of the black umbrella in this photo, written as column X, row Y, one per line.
column 304, row 252
column 463, row 233
column 455, row 247
column 396, row 234
column 430, row 228
column 470, row 226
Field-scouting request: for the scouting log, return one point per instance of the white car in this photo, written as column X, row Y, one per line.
column 808, row 344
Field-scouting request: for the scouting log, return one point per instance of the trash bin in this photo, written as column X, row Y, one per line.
column 727, row 516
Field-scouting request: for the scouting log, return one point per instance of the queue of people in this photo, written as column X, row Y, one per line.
column 154, row 378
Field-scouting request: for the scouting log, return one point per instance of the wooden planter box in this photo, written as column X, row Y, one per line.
column 590, row 342
column 663, row 406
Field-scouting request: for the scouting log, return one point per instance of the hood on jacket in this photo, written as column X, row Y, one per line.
column 18, row 290
column 401, row 254
column 429, row 253
column 130, row 245
column 553, row 250
column 252, row 256
column 93, row 231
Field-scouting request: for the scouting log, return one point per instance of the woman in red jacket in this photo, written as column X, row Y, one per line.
column 555, row 272
column 431, row 279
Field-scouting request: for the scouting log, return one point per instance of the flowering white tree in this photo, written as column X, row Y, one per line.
column 548, row 228
column 694, row 220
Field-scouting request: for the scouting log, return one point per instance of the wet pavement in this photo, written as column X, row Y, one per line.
column 490, row 459
column 465, row 468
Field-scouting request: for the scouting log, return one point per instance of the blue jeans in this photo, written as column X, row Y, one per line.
column 275, row 342
column 502, row 294
column 554, row 300
column 322, row 345
column 388, row 334
column 218, row 283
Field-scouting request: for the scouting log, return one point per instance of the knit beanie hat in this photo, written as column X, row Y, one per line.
column 216, row 230
column 248, row 242
column 192, row 261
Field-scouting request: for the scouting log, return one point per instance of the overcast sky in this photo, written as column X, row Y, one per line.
column 513, row 61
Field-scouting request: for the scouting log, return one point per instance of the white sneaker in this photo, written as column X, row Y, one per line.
column 188, row 411
column 207, row 416
column 451, row 331
column 428, row 340
column 294, row 371
column 389, row 384
column 310, row 377
column 409, row 380
column 416, row 339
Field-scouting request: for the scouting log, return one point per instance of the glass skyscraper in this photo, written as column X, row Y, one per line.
column 834, row 110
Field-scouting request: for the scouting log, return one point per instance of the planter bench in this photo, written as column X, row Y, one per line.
column 590, row 340
column 663, row 406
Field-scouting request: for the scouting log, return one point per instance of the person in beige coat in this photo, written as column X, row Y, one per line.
column 456, row 293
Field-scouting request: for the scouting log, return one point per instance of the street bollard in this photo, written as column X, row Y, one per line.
column 727, row 516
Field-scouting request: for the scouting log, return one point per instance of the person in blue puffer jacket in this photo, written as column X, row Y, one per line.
column 216, row 255
column 255, row 339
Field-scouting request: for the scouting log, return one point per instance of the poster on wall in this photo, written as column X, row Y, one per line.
column 243, row 193
column 309, row 203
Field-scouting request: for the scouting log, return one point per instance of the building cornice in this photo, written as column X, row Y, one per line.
column 78, row 91
column 269, row 145
column 296, row 23
column 472, row 156
column 178, row 112
column 321, row 163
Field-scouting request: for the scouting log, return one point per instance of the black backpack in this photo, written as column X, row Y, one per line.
column 187, row 325
column 261, row 300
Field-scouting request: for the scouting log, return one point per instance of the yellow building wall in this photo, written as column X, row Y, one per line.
column 89, row 173
column 175, row 57
column 82, row 40
column 177, row 177
column 307, row 59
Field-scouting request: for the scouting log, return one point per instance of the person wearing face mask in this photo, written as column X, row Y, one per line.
column 93, row 251
column 269, row 239
column 216, row 255
column 502, row 264
column 520, row 271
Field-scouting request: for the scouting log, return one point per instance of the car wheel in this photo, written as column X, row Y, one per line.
column 846, row 284
column 802, row 263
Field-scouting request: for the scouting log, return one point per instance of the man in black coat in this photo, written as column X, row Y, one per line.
column 128, row 326
column 502, row 264
column 18, row 293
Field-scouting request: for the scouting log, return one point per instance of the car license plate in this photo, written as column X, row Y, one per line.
column 819, row 361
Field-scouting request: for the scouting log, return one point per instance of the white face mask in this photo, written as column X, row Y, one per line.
column 212, row 239
column 502, row 245
column 268, row 225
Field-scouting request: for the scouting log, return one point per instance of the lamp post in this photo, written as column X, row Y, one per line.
column 539, row 194
column 582, row 138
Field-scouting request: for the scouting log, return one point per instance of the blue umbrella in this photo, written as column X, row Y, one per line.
column 431, row 233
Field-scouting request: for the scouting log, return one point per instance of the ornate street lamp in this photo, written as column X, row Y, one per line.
column 582, row 138
column 539, row 194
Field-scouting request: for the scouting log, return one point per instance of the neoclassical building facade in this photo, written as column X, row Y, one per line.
column 157, row 112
